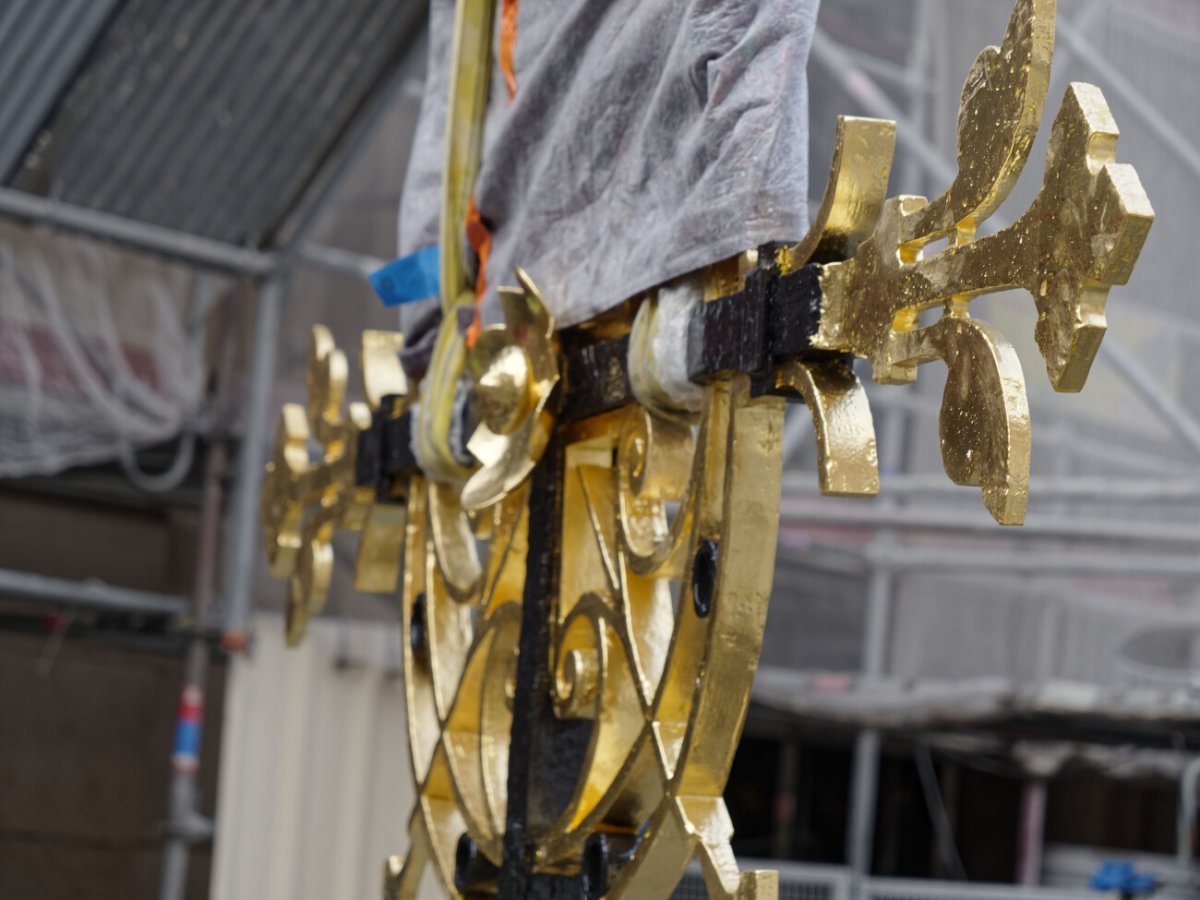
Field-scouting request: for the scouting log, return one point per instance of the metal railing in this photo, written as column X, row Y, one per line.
column 896, row 889
column 813, row 882
column 796, row 881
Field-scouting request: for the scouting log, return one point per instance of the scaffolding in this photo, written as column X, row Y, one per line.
column 1110, row 500
column 112, row 182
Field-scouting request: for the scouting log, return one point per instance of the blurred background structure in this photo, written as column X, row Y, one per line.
column 945, row 708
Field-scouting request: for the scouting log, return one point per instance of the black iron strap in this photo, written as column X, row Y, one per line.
column 774, row 317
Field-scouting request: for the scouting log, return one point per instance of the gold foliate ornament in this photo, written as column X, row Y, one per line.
column 515, row 369
column 1081, row 236
column 305, row 499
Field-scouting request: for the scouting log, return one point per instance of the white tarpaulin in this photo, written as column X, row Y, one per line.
column 644, row 141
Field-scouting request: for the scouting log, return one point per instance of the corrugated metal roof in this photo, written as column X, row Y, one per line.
column 204, row 116
column 41, row 47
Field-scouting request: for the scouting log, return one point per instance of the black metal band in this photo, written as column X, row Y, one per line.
column 385, row 459
column 774, row 317
column 547, row 753
column 596, row 376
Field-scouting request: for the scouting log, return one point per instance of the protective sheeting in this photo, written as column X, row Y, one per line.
column 961, row 627
column 101, row 351
column 215, row 118
column 644, row 141
column 315, row 788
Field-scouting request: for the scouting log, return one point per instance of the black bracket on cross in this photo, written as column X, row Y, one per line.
column 384, row 457
column 773, row 318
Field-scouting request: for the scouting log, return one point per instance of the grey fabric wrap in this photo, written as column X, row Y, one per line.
column 647, row 138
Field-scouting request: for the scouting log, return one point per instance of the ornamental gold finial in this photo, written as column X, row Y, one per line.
column 306, row 500
column 1080, row 237
column 585, row 582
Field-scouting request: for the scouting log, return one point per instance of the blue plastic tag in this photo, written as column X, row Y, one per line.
column 408, row 279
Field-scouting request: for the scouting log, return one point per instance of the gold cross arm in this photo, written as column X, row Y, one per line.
column 1080, row 237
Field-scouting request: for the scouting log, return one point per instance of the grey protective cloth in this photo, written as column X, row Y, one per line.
column 647, row 138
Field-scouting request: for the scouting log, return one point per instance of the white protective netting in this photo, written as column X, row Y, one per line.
column 102, row 351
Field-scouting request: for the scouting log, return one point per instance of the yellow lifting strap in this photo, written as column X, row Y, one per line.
column 470, row 76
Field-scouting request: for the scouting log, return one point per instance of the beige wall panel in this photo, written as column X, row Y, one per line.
column 315, row 784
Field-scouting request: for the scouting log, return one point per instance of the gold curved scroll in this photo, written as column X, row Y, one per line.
column 984, row 423
column 595, row 679
column 454, row 542
column 847, row 463
column 285, row 489
column 841, row 412
column 325, row 385
column 477, row 729
column 654, row 462
column 379, row 366
column 854, row 193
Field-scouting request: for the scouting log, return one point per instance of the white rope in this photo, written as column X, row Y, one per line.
column 102, row 352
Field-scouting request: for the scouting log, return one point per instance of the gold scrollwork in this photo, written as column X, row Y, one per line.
column 654, row 459
column 460, row 659
column 665, row 697
column 847, row 464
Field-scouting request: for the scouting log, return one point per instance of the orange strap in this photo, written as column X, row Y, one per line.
column 480, row 239
column 508, row 44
